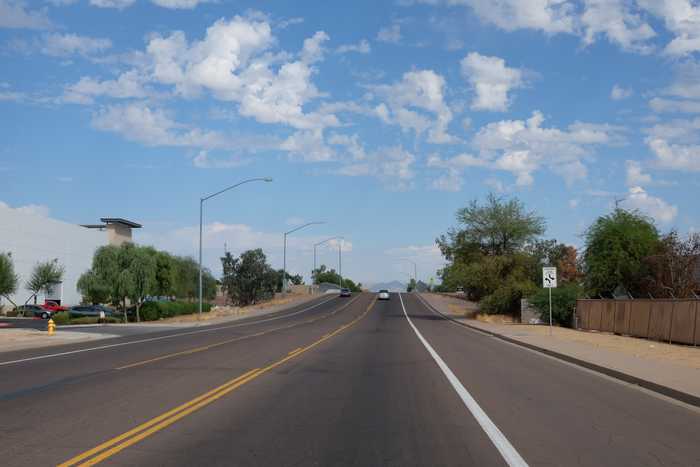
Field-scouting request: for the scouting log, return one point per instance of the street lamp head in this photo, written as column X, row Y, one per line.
column 267, row 179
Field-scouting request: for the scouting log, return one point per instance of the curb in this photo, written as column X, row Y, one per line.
column 651, row 386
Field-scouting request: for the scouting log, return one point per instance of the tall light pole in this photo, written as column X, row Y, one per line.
column 415, row 269
column 201, row 221
column 319, row 244
column 284, row 266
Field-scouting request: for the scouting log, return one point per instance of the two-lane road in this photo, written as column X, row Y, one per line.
column 334, row 382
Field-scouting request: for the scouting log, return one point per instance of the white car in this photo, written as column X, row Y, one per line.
column 383, row 294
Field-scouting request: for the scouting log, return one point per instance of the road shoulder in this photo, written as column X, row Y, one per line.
column 671, row 370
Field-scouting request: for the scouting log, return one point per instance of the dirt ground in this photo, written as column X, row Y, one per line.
column 21, row 339
column 222, row 312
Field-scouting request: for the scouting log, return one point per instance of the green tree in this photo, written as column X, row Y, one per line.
column 142, row 269
column 249, row 278
column 166, row 272
column 563, row 303
column 411, row 285
column 8, row 278
column 93, row 289
column 616, row 245
column 44, row 275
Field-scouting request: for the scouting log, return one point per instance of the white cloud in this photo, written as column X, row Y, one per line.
column 662, row 105
column 549, row 16
column 63, row 45
column 676, row 144
column 616, row 20
column 491, row 81
column 390, row 34
column 573, row 203
column 428, row 259
column 362, row 47
column 635, row 174
column 655, row 207
column 522, row 147
column 32, row 209
column 15, row 14
column 112, row 3
column 128, row 85
column 682, row 18
column 152, row 127
column 392, row 165
column 234, row 62
column 619, row 93
column 203, row 161
column 179, row 4
column 417, row 103
column 308, row 145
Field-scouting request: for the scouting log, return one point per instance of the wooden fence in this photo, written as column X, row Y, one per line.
column 661, row 320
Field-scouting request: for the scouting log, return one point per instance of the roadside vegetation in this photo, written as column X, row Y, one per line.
column 8, row 278
column 132, row 274
column 330, row 276
column 497, row 251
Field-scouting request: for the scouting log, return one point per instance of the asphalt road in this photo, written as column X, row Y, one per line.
column 332, row 382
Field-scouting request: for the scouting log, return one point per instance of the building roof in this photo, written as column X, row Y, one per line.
column 119, row 220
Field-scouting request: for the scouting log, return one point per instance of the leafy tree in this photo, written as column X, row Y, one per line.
column 8, row 278
column 92, row 287
column 674, row 269
column 411, row 285
column 496, row 228
column 166, row 272
column 324, row 275
column 142, row 269
column 616, row 245
column 44, row 275
column 249, row 278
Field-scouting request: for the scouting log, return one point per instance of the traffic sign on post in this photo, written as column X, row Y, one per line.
column 549, row 281
column 549, row 278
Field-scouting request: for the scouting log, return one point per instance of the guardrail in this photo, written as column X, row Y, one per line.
column 661, row 320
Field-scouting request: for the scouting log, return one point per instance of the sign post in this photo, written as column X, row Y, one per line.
column 549, row 281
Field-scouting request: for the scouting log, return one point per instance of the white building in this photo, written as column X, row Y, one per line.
column 32, row 238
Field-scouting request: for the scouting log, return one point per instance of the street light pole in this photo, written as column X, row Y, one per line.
column 340, row 262
column 321, row 243
column 284, row 260
column 415, row 269
column 201, row 223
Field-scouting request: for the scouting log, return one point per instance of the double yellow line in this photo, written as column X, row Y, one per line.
column 133, row 436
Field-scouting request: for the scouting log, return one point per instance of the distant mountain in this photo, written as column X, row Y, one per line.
column 393, row 286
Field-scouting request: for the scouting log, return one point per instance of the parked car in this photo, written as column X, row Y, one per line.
column 383, row 294
column 53, row 306
column 93, row 310
column 345, row 292
column 36, row 311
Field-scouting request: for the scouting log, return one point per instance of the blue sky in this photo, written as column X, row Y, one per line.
column 379, row 118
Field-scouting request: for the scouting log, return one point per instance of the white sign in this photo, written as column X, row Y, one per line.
column 549, row 278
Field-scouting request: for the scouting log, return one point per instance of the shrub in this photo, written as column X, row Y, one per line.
column 61, row 318
column 153, row 311
column 506, row 299
column 563, row 303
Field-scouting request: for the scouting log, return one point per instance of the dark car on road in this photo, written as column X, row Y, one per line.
column 93, row 310
column 345, row 292
column 36, row 311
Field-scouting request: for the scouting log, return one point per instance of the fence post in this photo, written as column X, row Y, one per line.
column 670, row 328
column 695, row 324
column 651, row 310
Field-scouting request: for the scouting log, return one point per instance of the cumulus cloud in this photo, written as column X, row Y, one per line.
column 491, row 81
column 15, row 14
column 657, row 208
column 522, row 147
column 619, row 93
column 616, row 20
column 392, row 165
column 119, row 4
column 681, row 18
column 417, row 103
column 635, row 174
column 128, row 85
column 180, row 4
column 203, row 161
column 676, row 144
column 233, row 62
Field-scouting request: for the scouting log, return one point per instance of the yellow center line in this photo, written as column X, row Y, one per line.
column 133, row 436
column 229, row 341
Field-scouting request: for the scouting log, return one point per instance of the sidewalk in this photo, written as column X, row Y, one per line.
column 672, row 366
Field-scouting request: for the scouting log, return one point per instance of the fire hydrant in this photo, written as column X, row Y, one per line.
column 52, row 327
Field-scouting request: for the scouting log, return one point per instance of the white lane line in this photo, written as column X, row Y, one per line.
column 510, row 455
column 170, row 336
